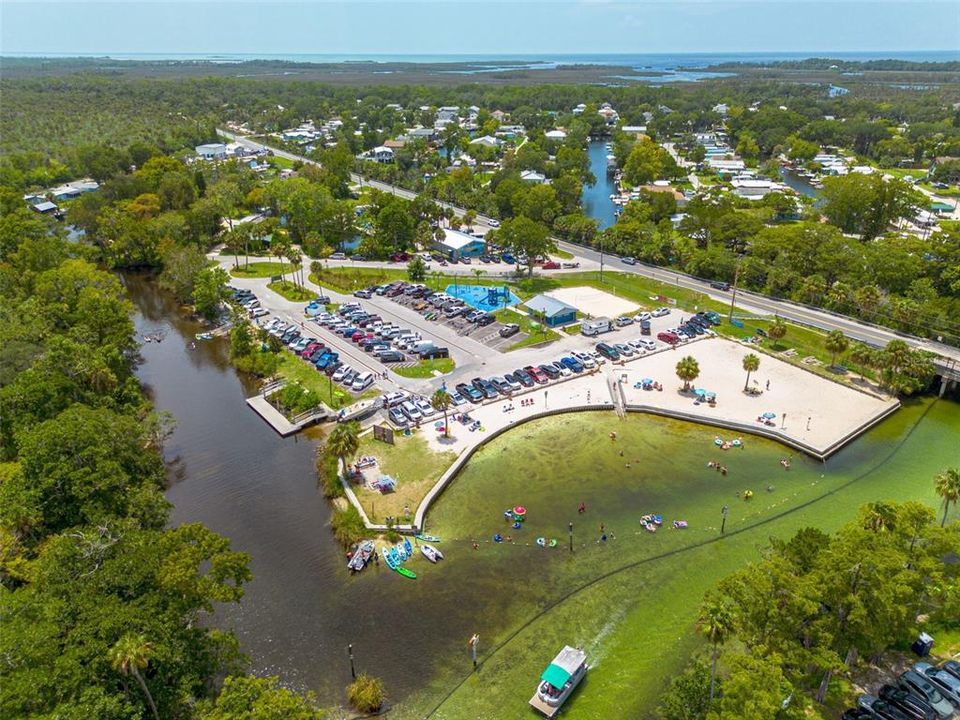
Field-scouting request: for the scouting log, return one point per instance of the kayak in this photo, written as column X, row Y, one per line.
column 407, row 547
column 390, row 559
column 406, row 573
column 427, row 538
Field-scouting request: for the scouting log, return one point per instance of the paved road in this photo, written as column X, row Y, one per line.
column 949, row 356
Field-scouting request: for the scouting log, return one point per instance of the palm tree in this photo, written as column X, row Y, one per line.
column 234, row 241
column 751, row 363
column 469, row 218
column 716, row 622
column 836, row 343
column 344, row 442
column 129, row 656
column 778, row 329
column 688, row 369
column 295, row 257
column 947, row 486
column 862, row 355
column 441, row 402
column 478, row 273
column 279, row 248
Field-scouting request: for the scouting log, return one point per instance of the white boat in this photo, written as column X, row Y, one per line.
column 362, row 556
column 431, row 553
column 558, row 681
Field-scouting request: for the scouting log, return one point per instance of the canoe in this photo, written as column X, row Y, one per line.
column 406, row 573
column 427, row 538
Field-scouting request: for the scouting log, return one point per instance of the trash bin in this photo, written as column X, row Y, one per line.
column 922, row 645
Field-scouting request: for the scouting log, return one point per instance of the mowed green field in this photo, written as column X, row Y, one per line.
column 632, row 600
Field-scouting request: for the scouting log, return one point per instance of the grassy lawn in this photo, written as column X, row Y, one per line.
column 280, row 162
column 562, row 254
column 411, row 463
column 427, row 368
column 296, row 370
column 536, row 336
column 349, row 279
column 291, row 291
column 261, row 269
column 632, row 602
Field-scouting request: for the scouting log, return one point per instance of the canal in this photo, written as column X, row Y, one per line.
column 231, row 472
column 596, row 197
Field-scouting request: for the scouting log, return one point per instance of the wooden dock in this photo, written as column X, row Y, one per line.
column 278, row 422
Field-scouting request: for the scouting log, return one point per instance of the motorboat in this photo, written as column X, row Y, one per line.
column 558, row 681
column 362, row 555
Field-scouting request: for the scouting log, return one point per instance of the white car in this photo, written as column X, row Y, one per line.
column 641, row 317
column 423, row 406
column 562, row 369
column 637, row 345
column 623, row 321
column 493, row 223
column 648, row 344
column 411, row 411
column 586, row 359
column 341, row 372
column 661, row 312
column 457, row 399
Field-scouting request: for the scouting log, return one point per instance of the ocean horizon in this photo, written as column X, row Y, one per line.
column 639, row 61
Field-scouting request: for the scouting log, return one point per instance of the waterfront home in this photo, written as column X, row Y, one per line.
column 456, row 244
column 721, row 109
column 381, row 154
column 754, row 189
column 510, row 131
column 498, row 115
column 555, row 135
column 636, row 130
column 420, row 133
column 726, row 166
column 45, row 207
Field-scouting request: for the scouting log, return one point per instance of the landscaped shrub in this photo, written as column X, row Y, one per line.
column 366, row 693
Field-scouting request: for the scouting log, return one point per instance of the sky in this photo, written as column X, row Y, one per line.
column 493, row 27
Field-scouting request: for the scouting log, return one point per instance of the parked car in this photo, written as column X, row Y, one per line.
column 648, row 344
column 608, row 351
column 493, row 223
column 551, row 265
column 539, row 376
column 625, row 349
column 509, row 259
column 509, row 330
column 524, row 378
column 338, row 256
column 457, row 399
column 911, row 705
column 668, row 337
column 388, row 356
column 512, row 381
column 623, row 321
column 947, row 684
column 397, row 417
column 660, row 312
column 858, row 714
column 880, row 708
column 914, row 682
column 470, row 392
column 502, row 386
column 550, row 370
column 411, row 411
column 423, row 406
column 952, row 667
column 573, row 364
column 259, row 312
column 485, row 319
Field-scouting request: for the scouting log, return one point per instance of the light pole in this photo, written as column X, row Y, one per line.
column 353, row 672
column 570, row 530
column 733, row 297
column 723, row 523
column 601, row 257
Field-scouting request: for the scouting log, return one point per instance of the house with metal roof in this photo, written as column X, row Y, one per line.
column 553, row 312
column 456, row 244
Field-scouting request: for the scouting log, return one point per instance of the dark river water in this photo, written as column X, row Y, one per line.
column 232, row 473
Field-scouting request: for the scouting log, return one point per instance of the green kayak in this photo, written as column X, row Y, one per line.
column 406, row 573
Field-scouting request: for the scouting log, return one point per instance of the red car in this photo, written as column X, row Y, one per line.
column 551, row 265
column 537, row 374
column 668, row 337
column 399, row 257
column 310, row 348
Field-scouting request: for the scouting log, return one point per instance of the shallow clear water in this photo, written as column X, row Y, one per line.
column 596, row 198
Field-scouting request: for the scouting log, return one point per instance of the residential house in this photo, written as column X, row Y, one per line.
column 578, row 110
column 532, row 176
column 487, row 141
column 555, row 135
column 498, row 115
column 381, row 154
column 721, row 109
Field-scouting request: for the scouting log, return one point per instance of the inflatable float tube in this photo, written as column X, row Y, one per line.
column 542, row 542
column 717, row 441
column 517, row 525
column 553, row 542
column 498, row 538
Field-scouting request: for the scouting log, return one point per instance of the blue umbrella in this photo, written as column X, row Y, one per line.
column 647, row 381
column 700, row 391
column 769, row 415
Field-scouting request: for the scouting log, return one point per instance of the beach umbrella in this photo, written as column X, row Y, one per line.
column 769, row 415
column 647, row 381
column 520, row 510
column 700, row 392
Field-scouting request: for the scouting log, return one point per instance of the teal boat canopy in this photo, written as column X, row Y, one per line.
column 555, row 675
